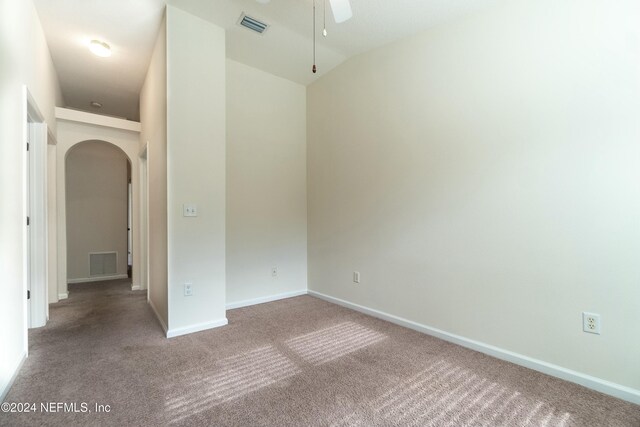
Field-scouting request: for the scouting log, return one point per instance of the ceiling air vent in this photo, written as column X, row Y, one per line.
column 252, row 24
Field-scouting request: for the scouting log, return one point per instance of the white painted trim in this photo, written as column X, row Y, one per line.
column 63, row 296
column 97, row 119
column 38, row 233
column 98, row 278
column 143, row 215
column 25, row 229
column 136, row 288
column 176, row 332
column 16, row 371
column 162, row 324
column 616, row 390
column 261, row 300
column 35, row 191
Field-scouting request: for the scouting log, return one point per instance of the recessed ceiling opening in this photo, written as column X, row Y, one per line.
column 252, row 24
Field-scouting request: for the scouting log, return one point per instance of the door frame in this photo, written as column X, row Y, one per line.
column 75, row 127
column 35, row 236
column 144, row 219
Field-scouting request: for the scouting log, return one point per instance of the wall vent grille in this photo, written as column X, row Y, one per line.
column 103, row 263
column 252, row 24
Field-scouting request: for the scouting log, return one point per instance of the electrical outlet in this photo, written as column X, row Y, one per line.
column 356, row 277
column 188, row 289
column 591, row 323
column 274, row 271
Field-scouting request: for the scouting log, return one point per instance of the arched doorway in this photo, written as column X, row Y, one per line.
column 98, row 206
column 73, row 131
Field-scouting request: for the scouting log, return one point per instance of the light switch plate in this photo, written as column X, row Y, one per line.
column 189, row 210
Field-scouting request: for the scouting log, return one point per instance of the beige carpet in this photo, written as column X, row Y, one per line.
column 296, row 362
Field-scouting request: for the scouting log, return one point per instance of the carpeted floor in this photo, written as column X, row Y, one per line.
column 295, row 362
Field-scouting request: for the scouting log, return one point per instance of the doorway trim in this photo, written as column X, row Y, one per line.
column 144, row 216
column 35, row 237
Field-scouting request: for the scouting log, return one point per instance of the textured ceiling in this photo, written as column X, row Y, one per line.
column 285, row 49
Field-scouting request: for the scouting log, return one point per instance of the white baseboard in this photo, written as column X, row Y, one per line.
column 616, row 390
column 136, row 287
column 176, row 332
column 155, row 311
column 6, row 387
column 261, row 300
column 63, row 296
column 98, row 279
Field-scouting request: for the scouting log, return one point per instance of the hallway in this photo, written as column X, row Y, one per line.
column 84, row 352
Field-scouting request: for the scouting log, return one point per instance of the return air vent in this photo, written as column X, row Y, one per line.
column 252, row 24
column 102, row 263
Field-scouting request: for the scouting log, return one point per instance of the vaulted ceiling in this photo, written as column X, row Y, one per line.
column 285, row 49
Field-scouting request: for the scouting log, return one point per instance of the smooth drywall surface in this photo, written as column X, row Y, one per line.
column 266, row 184
column 483, row 178
column 24, row 59
column 96, row 206
column 153, row 117
column 195, row 170
column 71, row 133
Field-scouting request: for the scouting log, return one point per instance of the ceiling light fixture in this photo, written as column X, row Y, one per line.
column 100, row 48
column 95, row 104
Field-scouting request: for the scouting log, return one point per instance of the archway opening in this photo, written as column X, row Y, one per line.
column 98, row 213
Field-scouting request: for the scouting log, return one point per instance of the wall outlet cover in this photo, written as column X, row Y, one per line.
column 591, row 323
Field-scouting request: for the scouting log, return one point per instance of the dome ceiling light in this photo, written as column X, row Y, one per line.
column 100, row 48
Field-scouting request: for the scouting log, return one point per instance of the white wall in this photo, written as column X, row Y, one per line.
column 484, row 179
column 75, row 127
column 266, row 185
column 97, row 208
column 24, row 59
column 195, row 171
column 52, row 221
column 153, row 118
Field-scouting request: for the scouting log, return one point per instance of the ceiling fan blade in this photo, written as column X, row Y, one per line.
column 341, row 10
